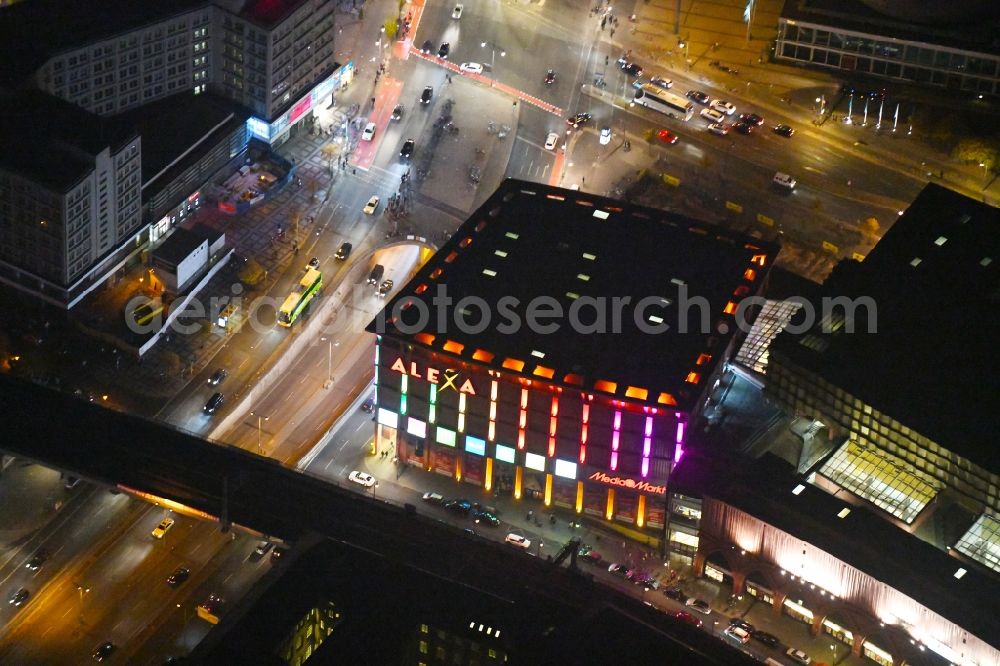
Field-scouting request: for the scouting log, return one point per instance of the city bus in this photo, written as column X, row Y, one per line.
column 308, row 285
column 656, row 98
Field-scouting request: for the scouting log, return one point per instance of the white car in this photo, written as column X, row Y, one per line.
column 713, row 116
column 605, row 136
column 163, row 528
column 371, row 206
column 471, row 67
column 518, row 540
column 784, row 180
column 666, row 84
column 369, row 132
column 721, row 129
column 361, row 478
column 434, row 498
column 457, row 12
column 723, row 107
column 798, row 656
column 551, row 141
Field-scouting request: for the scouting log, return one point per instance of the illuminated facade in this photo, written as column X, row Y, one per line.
column 841, row 570
column 585, row 421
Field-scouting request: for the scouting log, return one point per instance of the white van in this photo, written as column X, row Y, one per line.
column 741, row 636
column 784, row 180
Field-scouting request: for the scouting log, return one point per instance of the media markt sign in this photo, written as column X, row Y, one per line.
column 625, row 482
column 443, row 379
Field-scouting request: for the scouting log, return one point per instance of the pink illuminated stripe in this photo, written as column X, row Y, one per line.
column 646, row 443
column 649, row 426
column 614, row 440
column 584, row 427
column 618, row 421
column 614, row 461
column 645, row 467
column 679, row 449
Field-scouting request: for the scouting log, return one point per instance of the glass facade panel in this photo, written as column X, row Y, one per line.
column 982, row 542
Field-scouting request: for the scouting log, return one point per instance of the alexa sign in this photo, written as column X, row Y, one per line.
column 443, row 378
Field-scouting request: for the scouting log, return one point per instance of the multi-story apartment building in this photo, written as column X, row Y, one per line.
column 70, row 197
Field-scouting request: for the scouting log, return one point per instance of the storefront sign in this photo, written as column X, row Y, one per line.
column 625, row 482
column 442, row 378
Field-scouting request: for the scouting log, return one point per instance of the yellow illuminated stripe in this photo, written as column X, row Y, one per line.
column 579, row 496
column 640, row 515
column 518, row 474
column 610, row 510
column 548, row 490
column 489, row 474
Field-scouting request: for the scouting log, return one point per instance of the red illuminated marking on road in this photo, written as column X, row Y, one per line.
column 488, row 81
column 401, row 49
column 557, row 167
column 385, row 100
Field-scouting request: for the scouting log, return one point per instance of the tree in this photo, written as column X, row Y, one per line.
column 312, row 185
column 391, row 28
column 329, row 151
column 977, row 150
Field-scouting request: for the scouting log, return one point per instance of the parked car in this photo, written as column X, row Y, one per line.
column 456, row 13
column 675, row 593
column 784, row 130
column 798, row 656
column 699, row 605
column 427, row 46
column 19, row 597
column 485, row 517
column 368, row 406
column 444, row 50
column 344, row 251
column 752, row 118
column 742, row 624
column 770, row 640
column 371, row 206
column 632, row 69
column 397, row 112
column 723, row 106
column 666, row 136
column 698, row 96
column 384, row 288
column 177, row 578
column 103, row 651
column 739, row 635
column 362, row 478
column 160, row 530
column 426, row 95
column 433, row 498
column 591, row 557
column 744, row 127
column 617, row 569
column 684, row 616
column 579, row 119
column 551, row 141
column 518, row 541
column 666, row 84
column 460, row 506
column 217, row 377
column 369, row 132
column 471, row 67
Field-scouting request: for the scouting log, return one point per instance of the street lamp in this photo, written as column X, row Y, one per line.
column 329, row 362
column 493, row 59
column 260, row 420
column 82, row 590
column 380, row 42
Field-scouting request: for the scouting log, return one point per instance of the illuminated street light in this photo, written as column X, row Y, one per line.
column 493, row 58
column 260, row 420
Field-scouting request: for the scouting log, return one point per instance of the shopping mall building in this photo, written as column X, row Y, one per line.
column 559, row 348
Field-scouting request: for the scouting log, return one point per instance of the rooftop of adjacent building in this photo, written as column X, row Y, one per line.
column 768, row 490
column 51, row 141
column 970, row 25
column 173, row 126
column 32, row 32
column 532, row 242
column 265, row 13
column 932, row 363
column 181, row 242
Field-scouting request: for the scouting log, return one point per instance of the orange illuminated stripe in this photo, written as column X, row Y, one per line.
column 730, row 308
column 424, row 338
column 524, row 398
column 513, row 364
column 480, row 226
column 750, row 275
column 636, row 392
column 640, row 514
column 759, row 259
column 609, row 510
column 436, row 273
column 575, row 380
column 606, row 386
column 522, row 419
column 466, row 242
column 453, row 347
column 451, row 257
column 554, row 410
column 482, row 355
column 421, row 289
column 552, row 446
column 667, row 399
column 493, row 411
column 491, row 432
column 520, row 439
column 692, row 378
column 542, row 371
column 703, row 359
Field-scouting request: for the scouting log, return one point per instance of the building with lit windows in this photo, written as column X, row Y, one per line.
column 875, row 591
column 70, row 197
column 952, row 45
column 587, row 410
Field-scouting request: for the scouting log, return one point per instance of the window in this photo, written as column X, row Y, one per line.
column 534, row 461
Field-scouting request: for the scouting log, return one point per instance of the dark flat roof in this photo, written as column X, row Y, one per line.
column 960, row 28
column 933, row 363
column 171, row 126
column 544, row 241
column 267, row 13
column 862, row 539
column 52, row 141
column 32, row 32
column 178, row 245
